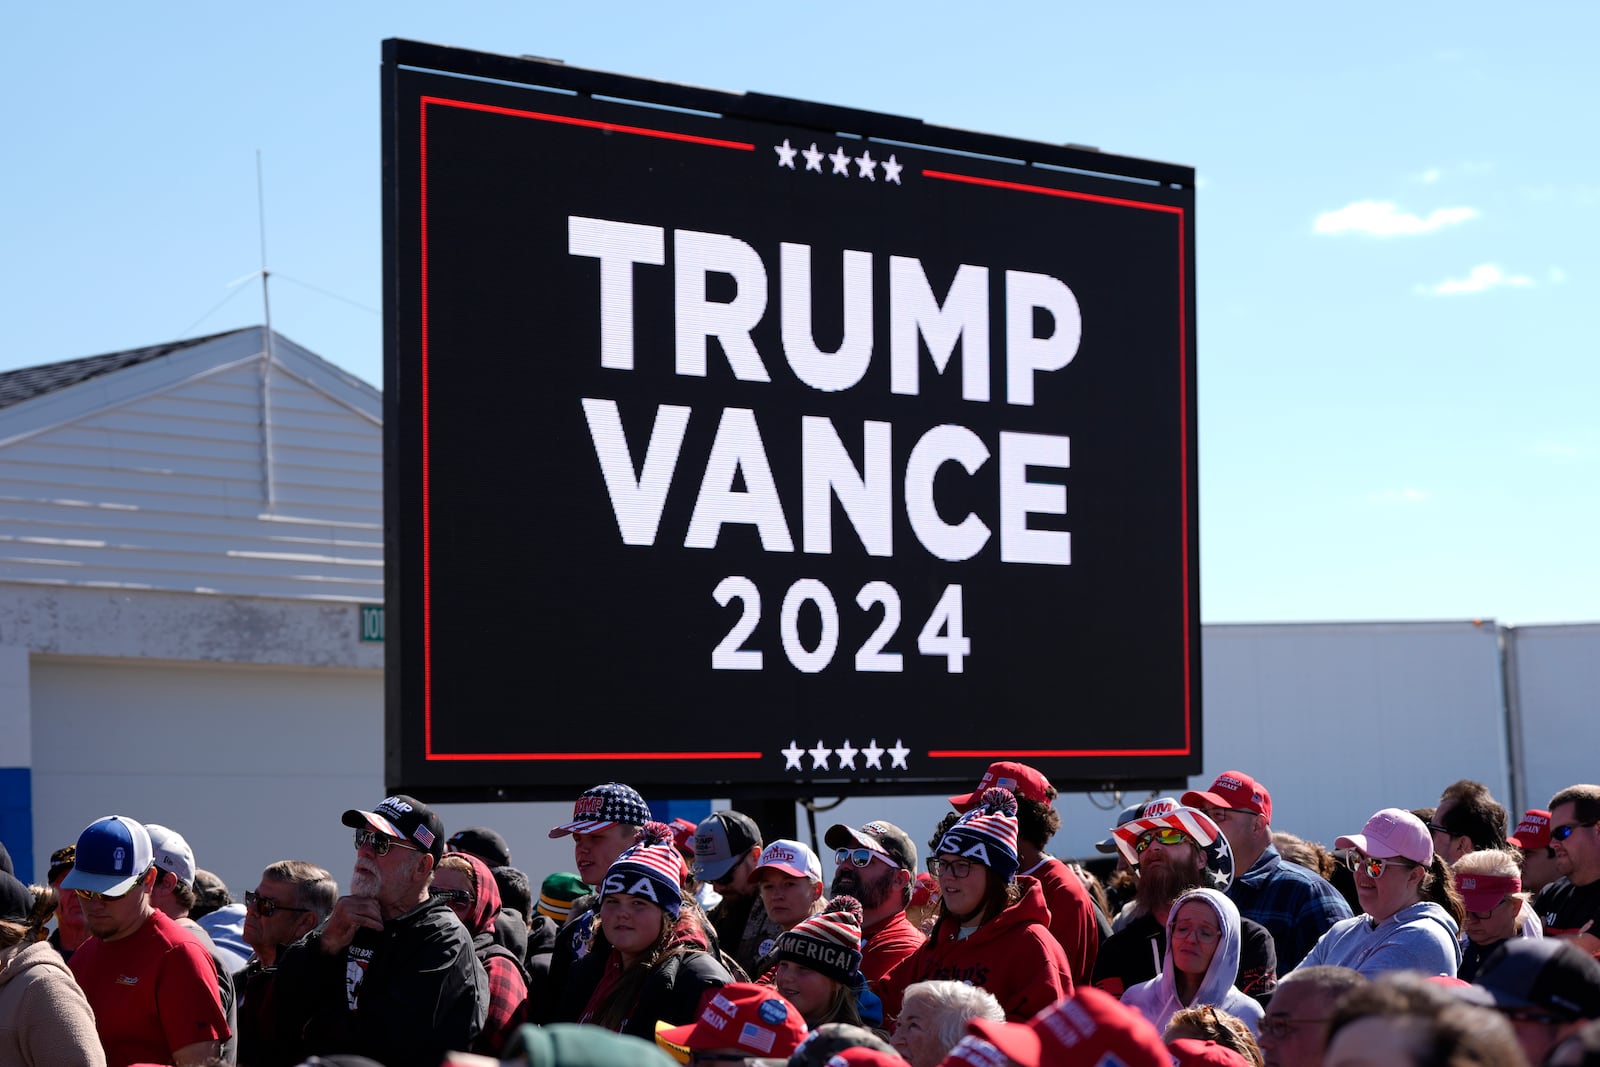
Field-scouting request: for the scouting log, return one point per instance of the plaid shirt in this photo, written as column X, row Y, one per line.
column 1295, row 904
column 508, row 1004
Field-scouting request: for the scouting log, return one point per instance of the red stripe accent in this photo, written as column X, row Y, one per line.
column 427, row 510
column 1014, row 753
column 1045, row 190
column 593, row 124
column 590, row 755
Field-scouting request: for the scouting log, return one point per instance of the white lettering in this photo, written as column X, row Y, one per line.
column 738, row 449
column 618, row 246
column 938, row 446
column 830, row 372
column 964, row 317
column 1026, row 353
column 696, row 255
column 864, row 495
column 1020, row 498
column 636, row 501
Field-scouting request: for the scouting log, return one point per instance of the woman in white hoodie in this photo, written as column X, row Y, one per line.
column 1201, row 965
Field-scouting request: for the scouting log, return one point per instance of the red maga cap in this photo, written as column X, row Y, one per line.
column 1021, row 779
column 1234, row 789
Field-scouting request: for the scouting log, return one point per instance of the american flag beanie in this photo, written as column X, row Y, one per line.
column 987, row 834
column 651, row 868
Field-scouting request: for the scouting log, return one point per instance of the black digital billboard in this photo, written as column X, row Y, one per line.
column 739, row 445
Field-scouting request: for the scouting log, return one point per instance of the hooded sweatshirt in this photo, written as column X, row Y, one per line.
column 44, row 1016
column 1013, row 956
column 1158, row 1001
column 508, row 986
column 1421, row 937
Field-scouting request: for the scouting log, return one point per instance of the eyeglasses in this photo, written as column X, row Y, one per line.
column 955, row 868
column 1199, row 932
column 1279, row 1027
column 266, row 907
column 861, row 857
column 1164, row 835
column 380, row 844
column 1373, row 865
column 1490, row 913
column 454, row 896
column 1561, row 833
column 89, row 894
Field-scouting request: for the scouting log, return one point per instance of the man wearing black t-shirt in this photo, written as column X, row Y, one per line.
column 1570, row 906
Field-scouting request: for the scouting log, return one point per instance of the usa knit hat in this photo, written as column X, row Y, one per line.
column 828, row 942
column 652, row 867
column 113, row 853
column 604, row 806
column 987, row 833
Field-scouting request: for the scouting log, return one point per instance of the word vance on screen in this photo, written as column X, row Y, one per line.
column 638, row 485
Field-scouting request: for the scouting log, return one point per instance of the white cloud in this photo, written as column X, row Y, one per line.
column 1383, row 218
column 1399, row 496
column 1480, row 279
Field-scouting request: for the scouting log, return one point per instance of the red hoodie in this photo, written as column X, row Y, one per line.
column 1013, row 956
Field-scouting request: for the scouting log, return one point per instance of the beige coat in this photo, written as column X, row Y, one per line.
column 44, row 1017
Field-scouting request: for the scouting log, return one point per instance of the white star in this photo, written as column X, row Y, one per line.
column 791, row 756
column 841, row 162
column 891, row 170
column 819, row 757
column 847, row 756
column 785, row 154
column 874, row 754
column 814, row 158
column 898, row 754
column 868, row 165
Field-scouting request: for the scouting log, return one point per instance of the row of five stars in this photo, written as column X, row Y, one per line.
column 847, row 756
column 867, row 166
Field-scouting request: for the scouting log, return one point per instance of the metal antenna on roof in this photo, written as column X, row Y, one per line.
column 266, row 364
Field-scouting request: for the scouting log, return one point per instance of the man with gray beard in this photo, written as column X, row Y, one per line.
column 391, row 974
column 877, row 865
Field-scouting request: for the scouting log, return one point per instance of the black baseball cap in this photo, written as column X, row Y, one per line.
column 1542, row 974
column 484, row 843
column 403, row 818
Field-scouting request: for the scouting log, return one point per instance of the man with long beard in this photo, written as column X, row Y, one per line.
column 877, row 864
column 1175, row 849
column 391, row 974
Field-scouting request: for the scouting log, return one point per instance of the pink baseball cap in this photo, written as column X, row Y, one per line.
column 1393, row 833
column 1533, row 832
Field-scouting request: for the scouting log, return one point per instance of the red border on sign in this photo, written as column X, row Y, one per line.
column 670, row 135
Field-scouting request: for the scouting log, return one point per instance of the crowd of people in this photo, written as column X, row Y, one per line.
column 1437, row 936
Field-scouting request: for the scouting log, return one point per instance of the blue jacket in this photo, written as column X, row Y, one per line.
column 1419, row 938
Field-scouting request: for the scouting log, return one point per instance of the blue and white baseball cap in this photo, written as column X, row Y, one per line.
column 113, row 853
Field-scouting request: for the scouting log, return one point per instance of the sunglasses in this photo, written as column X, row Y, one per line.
column 454, row 896
column 1164, row 835
column 1435, row 828
column 89, row 894
column 1373, row 865
column 266, row 907
column 1561, row 833
column 380, row 844
column 861, row 857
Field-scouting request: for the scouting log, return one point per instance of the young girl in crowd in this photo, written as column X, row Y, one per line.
column 650, row 961
column 818, row 964
column 992, row 928
column 1201, row 964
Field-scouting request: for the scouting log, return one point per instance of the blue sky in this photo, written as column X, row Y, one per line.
column 1398, row 226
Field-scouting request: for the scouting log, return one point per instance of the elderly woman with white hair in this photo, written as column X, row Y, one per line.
column 934, row 1017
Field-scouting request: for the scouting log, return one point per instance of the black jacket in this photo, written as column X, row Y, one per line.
column 671, row 992
column 419, row 991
